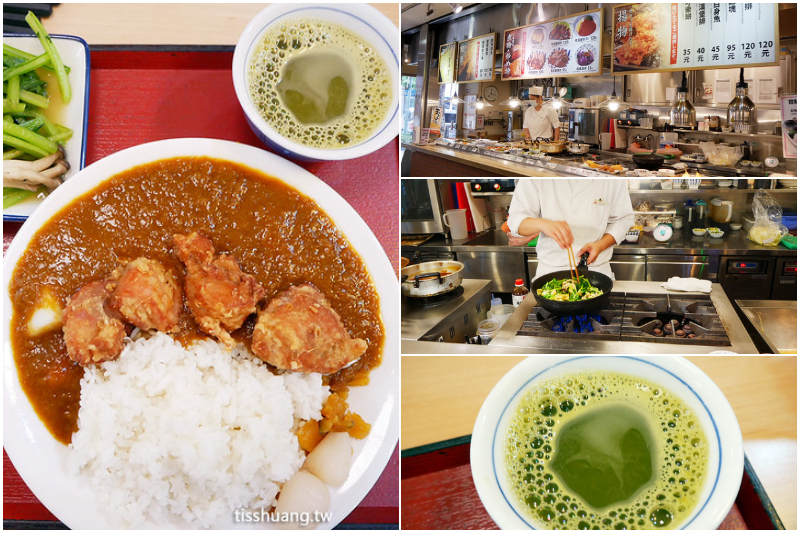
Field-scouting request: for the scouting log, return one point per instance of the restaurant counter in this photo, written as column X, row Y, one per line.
column 433, row 160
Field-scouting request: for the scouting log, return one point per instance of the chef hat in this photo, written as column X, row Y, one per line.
column 536, row 90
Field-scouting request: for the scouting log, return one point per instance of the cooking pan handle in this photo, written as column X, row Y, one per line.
column 420, row 277
column 584, row 258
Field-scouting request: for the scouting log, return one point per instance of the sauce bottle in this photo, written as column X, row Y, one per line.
column 519, row 292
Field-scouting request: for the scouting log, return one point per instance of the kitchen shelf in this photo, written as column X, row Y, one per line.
column 697, row 191
column 730, row 134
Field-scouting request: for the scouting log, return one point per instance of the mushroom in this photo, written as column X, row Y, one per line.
column 29, row 175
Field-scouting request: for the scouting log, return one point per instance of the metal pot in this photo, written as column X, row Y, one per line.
column 431, row 279
column 550, row 147
column 577, row 148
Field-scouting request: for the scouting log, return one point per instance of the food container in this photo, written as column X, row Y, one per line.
column 576, row 148
column 747, row 222
column 632, row 235
column 735, row 226
column 677, row 222
column 488, row 329
column 500, row 313
column 715, row 233
column 554, row 147
column 699, row 231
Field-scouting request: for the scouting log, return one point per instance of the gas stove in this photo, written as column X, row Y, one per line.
column 635, row 320
column 689, row 320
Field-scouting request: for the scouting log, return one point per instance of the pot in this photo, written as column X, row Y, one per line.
column 581, row 307
column 650, row 161
column 576, row 148
column 431, row 278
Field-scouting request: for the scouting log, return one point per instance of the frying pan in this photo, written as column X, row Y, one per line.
column 580, row 307
column 651, row 161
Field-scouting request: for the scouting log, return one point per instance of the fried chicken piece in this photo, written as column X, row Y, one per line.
column 218, row 293
column 93, row 332
column 300, row 331
column 147, row 296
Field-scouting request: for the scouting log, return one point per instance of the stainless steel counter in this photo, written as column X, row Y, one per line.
column 417, row 322
column 740, row 340
column 774, row 321
column 683, row 242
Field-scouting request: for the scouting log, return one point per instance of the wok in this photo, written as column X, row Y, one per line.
column 580, row 307
column 431, row 279
column 651, row 161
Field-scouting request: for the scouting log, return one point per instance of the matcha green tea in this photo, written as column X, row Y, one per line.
column 602, row 450
column 319, row 84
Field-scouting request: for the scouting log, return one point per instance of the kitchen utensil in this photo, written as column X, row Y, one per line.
column 456, row 220
column 599, row 280
column 431, row 278
column 651, row 161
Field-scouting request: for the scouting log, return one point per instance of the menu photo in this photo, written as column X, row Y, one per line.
column 568, row 46
column 476, row 59
column 447, row 62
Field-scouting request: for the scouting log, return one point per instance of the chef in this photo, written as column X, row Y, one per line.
column 590, row 215
column 540, row 120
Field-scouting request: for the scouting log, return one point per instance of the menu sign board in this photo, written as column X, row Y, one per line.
column 476, row 59
column 447, row 62
column 789, row 125
column 567, row 46
column 661, row 37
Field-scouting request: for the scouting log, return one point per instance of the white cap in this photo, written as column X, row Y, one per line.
column 536, row 90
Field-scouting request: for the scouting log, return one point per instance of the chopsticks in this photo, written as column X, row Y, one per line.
column 572, row 265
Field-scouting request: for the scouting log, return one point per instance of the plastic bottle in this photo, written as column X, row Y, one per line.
column 519, row 292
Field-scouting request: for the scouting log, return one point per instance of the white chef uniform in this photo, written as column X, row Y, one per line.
column 540, row 123
column 591, row 207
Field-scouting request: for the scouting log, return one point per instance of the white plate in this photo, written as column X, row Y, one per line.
column 726, row 450
column 40, row 459
column 75, row 53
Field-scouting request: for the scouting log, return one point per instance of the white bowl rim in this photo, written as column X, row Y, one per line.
column 383, row 135
column 21, row 424
column 520, row 379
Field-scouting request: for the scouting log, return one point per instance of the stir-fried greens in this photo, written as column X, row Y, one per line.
column 568, row 290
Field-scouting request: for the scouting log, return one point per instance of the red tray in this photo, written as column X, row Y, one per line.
column 438, row 493
column 145, row 95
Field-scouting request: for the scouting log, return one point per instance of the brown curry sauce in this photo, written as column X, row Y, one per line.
column 277, row 234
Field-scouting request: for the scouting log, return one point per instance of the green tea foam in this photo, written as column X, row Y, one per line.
column 602, row 450
column 319, row 84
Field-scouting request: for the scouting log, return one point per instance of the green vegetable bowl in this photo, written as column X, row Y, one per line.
column 74, row 53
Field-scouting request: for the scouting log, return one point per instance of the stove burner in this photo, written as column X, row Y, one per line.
column 634, row 317
column 432, row 301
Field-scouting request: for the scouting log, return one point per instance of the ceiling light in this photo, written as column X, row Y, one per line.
column 457, row 8
column 511, row 102
column 455, row 99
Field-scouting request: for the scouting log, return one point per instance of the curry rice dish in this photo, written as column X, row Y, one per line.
column 195, row 248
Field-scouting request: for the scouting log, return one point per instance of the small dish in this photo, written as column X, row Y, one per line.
column 699, row 231
column 632, row 236
column 364, row 20
column 715, row 233
column 735, row 226
column 75, row 53
column 682, row 378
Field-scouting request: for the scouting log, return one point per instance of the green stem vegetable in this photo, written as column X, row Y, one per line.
column 52, row 52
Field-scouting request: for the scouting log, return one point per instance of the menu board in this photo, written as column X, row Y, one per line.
column 447, row 62
column 661, row 37
column 567, row 46
column 476, row 59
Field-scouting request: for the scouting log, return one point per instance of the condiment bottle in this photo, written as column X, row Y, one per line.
column 519, row 292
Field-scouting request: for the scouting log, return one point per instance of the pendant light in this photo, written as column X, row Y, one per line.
column 613, row 103
column 480, row 103
column 558, row 101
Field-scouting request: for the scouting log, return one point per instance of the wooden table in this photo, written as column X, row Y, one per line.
column 441, row 397
column 179, row 85
column 162, row 24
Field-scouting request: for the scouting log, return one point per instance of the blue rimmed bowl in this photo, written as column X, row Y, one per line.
column 75, row 115
column 676, row 374
column 363, row 20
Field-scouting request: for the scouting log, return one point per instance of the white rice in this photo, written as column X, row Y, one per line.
column 196, row 433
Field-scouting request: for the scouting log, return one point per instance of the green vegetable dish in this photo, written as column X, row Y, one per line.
column 33, row 157
column 568, row 290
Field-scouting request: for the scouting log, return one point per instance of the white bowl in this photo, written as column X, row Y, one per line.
column 699, row 231
column 41, row 460
column 362, row 19
column 717, row 234
column 75, row 115
column 679, row 376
